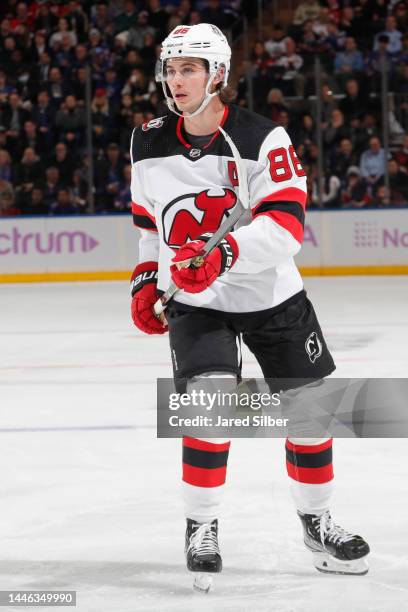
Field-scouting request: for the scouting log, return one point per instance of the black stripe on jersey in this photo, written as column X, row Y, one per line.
column 310, row 460
column 293, row 208
column 144, row 222
column 248, row 131
column 204, row 459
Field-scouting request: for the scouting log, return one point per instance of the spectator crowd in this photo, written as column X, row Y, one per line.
column 48, row 48
column 355, row 41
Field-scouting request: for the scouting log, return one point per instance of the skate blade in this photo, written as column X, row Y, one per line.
column 203, row 582
column 329, row 565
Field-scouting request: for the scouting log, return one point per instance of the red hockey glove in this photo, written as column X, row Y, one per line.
column 220, row 260
column 144, row 293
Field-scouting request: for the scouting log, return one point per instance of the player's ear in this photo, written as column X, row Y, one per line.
column 219, row 77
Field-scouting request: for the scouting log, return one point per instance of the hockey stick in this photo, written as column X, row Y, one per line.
column 240, row 208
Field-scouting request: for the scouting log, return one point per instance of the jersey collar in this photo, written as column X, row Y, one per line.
column 187, row 145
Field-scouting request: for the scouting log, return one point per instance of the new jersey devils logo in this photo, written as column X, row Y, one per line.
column 313, row 347
column 154, row 123
column 193, row 214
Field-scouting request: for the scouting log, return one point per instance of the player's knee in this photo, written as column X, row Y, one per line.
column 307, row 441
column 211, row 382
column 215, row 441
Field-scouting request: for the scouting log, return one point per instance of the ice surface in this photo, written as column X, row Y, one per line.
column 90, row 499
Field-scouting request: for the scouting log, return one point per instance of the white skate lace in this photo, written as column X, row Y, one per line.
column 331, row 532
column 203, row 541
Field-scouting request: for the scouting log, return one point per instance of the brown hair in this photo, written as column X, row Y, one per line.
column 227, row 94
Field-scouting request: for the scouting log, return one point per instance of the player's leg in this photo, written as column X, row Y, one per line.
column 204, row 474
column 309, row 464
column 204, row 350
column 205, row 459
column 291, row 345
column 310, row 469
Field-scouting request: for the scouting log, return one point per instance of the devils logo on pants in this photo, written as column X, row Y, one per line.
column 191, row 215
column 313, row 347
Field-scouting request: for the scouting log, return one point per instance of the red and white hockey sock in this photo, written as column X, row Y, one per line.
column 204, row 474
column 309, row 463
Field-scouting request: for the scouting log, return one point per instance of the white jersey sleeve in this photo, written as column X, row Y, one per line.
column 143, row 214
column 277, row 190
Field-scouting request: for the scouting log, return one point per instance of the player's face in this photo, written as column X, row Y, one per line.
column 187, row 79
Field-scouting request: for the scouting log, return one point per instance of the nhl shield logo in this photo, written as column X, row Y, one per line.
column 195, row 153
column 313, row 347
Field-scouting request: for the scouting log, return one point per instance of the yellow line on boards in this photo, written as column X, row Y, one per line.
column 353, row 270
column 48, row 277
column 61, row 277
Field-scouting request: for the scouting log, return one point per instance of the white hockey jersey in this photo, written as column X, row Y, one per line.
column 180, row 192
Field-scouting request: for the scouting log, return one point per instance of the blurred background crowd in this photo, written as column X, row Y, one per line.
column 56, row 56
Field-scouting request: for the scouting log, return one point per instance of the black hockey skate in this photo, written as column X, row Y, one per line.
column 335, row 551
column 202, row 553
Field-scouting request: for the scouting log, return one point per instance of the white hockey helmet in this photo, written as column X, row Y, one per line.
column 204, row 41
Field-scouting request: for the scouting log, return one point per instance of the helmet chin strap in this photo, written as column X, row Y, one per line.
column 205, row 102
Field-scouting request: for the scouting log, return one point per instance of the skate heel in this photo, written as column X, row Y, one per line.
column 203, row 582
column 329, row 565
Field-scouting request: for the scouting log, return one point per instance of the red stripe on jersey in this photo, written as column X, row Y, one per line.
column 180, row 135
column 137, row 209
column 316, row 448
column 139, row 214
column 287, row 221
column 202, row 477
column 214, row 136
column 310, row 475
column 223, row 120
column 211, row 447
column 291, row 194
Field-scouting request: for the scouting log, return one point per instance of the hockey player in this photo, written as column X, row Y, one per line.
column 183, row 185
